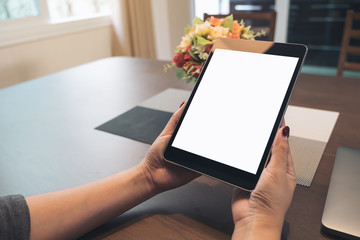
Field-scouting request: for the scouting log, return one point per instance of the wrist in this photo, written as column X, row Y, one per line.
column 260, row 227
column 135, row 182
column 149, row 183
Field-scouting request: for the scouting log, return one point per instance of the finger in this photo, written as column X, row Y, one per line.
column 290, row 166
column 170, row 126
column 281, row 149
column 282, row 123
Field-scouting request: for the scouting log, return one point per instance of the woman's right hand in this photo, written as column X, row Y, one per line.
column 260, row 214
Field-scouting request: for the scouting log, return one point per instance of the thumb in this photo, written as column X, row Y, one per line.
column 281, row 149
column 170, row 126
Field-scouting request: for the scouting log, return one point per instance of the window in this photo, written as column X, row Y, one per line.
column 10, row 9
column 211, row 6
column 27, row 20
column 70, row 9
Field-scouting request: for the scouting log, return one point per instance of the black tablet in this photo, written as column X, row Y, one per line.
column 230, row 120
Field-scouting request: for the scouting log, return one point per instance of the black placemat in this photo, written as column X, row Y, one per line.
column 139, row 123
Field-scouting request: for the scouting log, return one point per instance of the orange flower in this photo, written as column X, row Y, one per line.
column 234, row 36
column 190, row 57
column 237, row 30
column 215, row 22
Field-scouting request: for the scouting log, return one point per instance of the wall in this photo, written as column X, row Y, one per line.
column 282, row 17
column 22, row 62
column 180, row 16
column 170, row 17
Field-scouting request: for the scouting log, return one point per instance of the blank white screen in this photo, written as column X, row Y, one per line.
column 235, row 107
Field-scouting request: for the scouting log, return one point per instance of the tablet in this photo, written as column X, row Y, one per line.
column 231, row 118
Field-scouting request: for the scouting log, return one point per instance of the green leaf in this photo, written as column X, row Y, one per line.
column 247, row 29
column 195, row 57
column 187, row 30
column 180, row 73
column 190, row 69
column 195, row 43
column 191, row 79
column 228, row 22
column 203, row 41
column 197, row 21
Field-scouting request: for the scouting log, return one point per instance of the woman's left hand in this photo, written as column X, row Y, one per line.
column 162, row 174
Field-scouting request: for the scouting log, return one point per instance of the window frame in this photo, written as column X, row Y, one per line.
column 17, row 31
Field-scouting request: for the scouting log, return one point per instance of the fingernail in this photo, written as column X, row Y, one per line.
column 181, row 104
column 286, row 131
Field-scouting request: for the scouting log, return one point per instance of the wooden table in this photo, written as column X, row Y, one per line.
column 48, row 142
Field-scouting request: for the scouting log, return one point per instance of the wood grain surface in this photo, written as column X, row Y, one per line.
column 48, row 142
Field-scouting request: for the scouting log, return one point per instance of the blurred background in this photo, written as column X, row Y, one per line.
column 39, row 37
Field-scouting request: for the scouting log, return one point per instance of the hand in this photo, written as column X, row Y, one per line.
column 162, row 174
column 265, row 207
column 72, row 212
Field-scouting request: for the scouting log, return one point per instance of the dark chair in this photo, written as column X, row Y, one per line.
column 347, row 48
column 258, row 21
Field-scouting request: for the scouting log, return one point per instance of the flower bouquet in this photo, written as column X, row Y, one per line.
column 196, row 45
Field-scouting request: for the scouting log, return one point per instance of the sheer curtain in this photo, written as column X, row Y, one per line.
column 133, row 27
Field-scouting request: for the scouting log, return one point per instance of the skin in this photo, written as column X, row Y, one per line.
column 260, row 214
column 70, row 213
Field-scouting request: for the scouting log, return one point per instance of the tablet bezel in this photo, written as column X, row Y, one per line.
column 220, row 171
